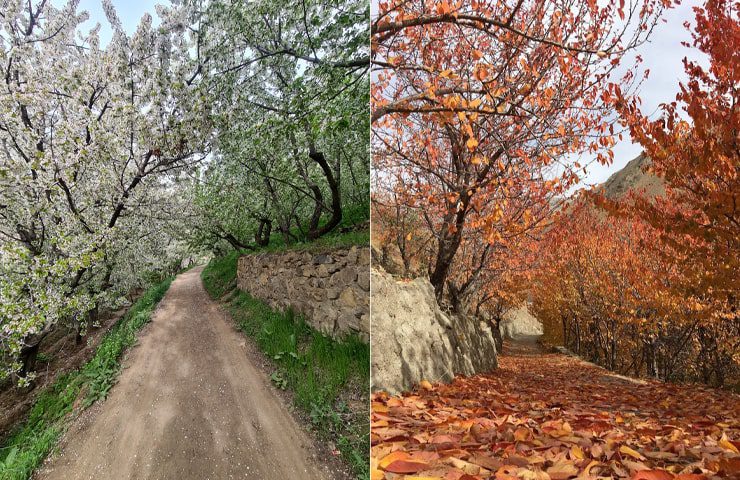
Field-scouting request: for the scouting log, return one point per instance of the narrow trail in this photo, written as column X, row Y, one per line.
column 549, row 416
column 522, row 345
column 190, row 404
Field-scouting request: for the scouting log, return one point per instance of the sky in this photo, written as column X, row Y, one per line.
column 129, row 11
column 663, row 55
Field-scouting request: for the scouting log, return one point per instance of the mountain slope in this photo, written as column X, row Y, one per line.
column 633, row 177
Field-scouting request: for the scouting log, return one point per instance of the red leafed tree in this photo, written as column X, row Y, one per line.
column 694, row 147
column 477, row 104
column 602, row 290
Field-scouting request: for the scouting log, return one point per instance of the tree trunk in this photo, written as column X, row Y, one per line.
column 498, row 339
column 262, row 237
column 448, row 245
column 28, row 356
column 314, row 231
column 650, row 366
column 565, row 330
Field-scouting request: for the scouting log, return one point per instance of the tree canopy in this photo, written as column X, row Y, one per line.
column 211, row 130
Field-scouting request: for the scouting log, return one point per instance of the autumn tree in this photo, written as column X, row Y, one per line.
column 601, row 290
column 693, row 147
column 608, row 288
column 479, row 105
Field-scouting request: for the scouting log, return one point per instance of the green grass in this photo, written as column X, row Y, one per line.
column 348, row 239
column 31, row 443
column 219, row 276
column 321, row 372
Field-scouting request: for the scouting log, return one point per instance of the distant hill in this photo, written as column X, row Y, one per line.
column 632, row 177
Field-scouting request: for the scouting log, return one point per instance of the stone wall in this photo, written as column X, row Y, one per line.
column 330, row 289
column 414, row 340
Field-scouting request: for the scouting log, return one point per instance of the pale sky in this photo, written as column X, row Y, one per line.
column 129, row 11
column 662, row 55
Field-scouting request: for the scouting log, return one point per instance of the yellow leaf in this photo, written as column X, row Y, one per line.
column 472, row 143
column 467, row 467
column 577, row 452
column 475, row 103
column 392, row 457
column 378, row 407
column 425, row 384
column 727, row 445
column 562, row 471
column 632, row 453
column 591, row 465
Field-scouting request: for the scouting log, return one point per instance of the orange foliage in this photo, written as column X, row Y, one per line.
column 694, row 148
column 609, row 289
column 650, row 285
column 476, row 105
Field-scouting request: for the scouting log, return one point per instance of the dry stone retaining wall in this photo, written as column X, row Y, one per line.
column 330, row 289
column 414, row 340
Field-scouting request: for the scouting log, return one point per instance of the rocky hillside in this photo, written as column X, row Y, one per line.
column 633, row 176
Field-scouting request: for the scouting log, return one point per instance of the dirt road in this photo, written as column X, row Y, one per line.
column 190, row 404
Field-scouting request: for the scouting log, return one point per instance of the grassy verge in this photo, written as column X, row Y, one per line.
column 329, row 379
column 348, row 239
column 31, row 443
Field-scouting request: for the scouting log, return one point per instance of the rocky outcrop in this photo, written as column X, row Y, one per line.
column 414, row 340
column 519, row 322
column 330, row 289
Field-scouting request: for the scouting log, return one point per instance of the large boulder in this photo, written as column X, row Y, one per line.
column 518, row 322
column 413, row 340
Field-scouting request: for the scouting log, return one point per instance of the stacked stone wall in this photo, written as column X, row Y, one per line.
column 330, row 289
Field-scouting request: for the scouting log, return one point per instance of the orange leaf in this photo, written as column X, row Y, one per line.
column 652, row 475
column 405, row 466
column 521, row 434
column 392, row 457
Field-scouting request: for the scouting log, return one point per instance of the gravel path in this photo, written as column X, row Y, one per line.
column 190, row 404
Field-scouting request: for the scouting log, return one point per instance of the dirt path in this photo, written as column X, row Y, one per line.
column 189, row 405
column 522, row 345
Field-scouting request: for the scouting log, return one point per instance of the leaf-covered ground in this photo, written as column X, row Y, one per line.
column 549, row 416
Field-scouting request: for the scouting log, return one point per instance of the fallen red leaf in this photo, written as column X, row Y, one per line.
column 405, row 466
column 652, row 475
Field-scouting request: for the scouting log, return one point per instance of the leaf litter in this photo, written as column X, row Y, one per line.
column 554, row 417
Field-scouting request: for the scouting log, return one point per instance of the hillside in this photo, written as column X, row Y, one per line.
column 632, row 177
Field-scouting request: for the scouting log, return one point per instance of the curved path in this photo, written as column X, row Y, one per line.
column 189, row 404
